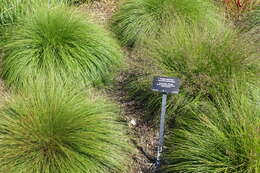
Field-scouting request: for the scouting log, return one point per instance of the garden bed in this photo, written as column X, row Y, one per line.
column 75, row 86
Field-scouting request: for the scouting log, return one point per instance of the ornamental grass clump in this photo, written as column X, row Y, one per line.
column 138, row 20
column 53, row 128
column 206, row 62
column 12, row 10
column 60, row 40
column 227, row 139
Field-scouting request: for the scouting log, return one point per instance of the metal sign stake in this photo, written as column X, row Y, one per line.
column 165, row 85
column 161, row 136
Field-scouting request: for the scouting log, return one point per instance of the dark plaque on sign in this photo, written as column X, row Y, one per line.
column 166, row 85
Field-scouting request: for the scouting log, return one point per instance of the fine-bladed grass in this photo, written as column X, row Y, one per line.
column 226, row 139
column 253, row 18
column 63, row 40
column 12, row 10
column 251, row 25
column 50, row 127
column 138, row 20
column 207, row 62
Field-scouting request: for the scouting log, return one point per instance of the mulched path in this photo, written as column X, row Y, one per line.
column 144, row 134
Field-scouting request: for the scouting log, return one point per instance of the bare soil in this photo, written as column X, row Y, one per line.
column 144, row 135
column 100, row 10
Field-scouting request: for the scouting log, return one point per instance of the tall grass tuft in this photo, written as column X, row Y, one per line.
column 52, row 128
column 12, row 10
column 207, row 63
column 60, row 40
column 224, row 140
column 137, row 20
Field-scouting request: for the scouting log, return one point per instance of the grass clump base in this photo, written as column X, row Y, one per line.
column 50, row 128
column 63, row 41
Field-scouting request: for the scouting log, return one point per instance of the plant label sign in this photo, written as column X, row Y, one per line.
column 166, row 85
